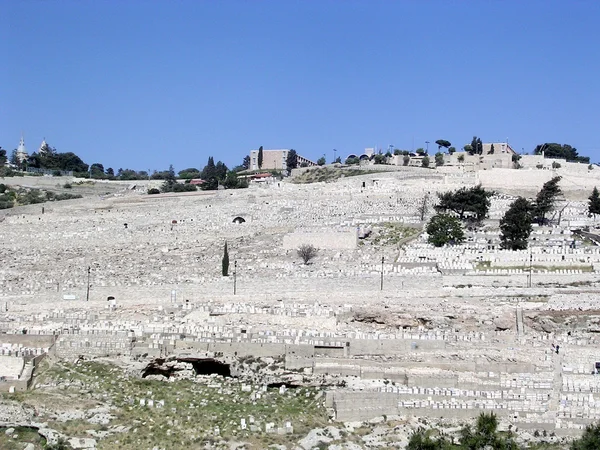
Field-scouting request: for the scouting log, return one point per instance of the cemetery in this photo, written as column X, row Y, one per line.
column 119, row 327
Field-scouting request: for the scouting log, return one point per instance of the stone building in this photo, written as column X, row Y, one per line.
column 275, row 160
column 494, row 155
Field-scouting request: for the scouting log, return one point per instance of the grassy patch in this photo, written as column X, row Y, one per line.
column 324, row 174
column 21, row 437
column 192, row 408
column 392, row 233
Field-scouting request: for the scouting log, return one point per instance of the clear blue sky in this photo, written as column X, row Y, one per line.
column 145, row 84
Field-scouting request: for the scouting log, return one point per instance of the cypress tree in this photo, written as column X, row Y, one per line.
column 515, row 226
column 546, row 198
column 225, row 262
column 594, row 205
column 260, row 157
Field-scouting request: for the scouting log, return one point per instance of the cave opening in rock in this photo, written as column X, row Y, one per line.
column 282, row 383
column 210, row 366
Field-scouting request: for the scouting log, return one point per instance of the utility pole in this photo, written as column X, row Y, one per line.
column 427, row 149
column 530, row 267
column 334, row 154
column 382, row 261
column 87, row 296
column 234, row 277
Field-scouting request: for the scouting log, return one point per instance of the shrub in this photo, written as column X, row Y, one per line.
column 153, row 191
column 68, row 186
column 31, row 197
column 66, row 196
column 307, row 252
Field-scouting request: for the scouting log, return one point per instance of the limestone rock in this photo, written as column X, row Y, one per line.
column 504, row 323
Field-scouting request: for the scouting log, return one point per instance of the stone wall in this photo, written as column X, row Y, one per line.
column 331, row 240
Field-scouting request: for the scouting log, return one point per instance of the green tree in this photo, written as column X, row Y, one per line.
column 491, row 152
column 444, row 229
column 225, row 261
column 246, row 162
column 474, row 200
column 212, row 184
column 423, row 208
column 469, row 149
column 485, row 435
column 70, row 161
column 260, row 157
column 546, row 199
column 3, row 157
column 379, row 159
column 461, row 158
column 14, row 159
column 439, row 159
column 594, row 204
column 291, row 161
column 590, row 440
column 321, row 161
column 420, row 151
column 97, row 170
column 443, row 143
column 451, row 150
column 220, row 171
column 425, row 161
column 209, row 171
column 405, row 160
column 420, row 440
column 189, row 173
column 233, row 182
column 170, row 184
column 515, row 225
column 565, row 151
column 352, row 160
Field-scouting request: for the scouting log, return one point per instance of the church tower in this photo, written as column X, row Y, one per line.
column 22, row 154
column 43, row 147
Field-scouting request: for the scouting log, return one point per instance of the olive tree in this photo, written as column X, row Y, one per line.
column 444, row 229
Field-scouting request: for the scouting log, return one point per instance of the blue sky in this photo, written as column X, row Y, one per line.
column 145, row 84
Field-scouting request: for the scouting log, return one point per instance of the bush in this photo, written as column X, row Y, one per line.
column 68, row 186
column 307, row 252
column 8, row 172
column 590, row 440
column 2, row 188
column 66, row 196
column 555, row 165
column 153, row 191
column 31, row 197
